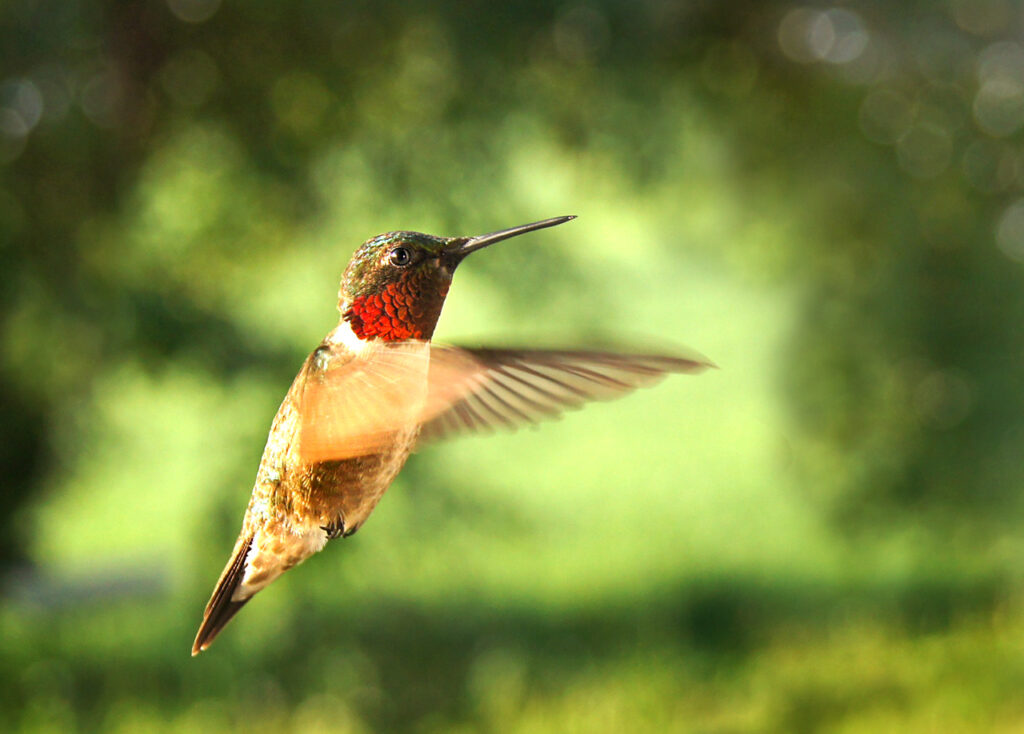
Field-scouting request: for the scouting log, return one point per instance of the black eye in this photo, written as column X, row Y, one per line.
column 401, row 256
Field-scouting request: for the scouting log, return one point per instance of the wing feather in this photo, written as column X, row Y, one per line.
column 355, row 406
column 516, row 387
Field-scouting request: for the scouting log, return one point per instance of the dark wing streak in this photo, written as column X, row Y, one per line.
column 452, row 423
column 606, row 384
column 473, row 401
column 466, row 415
column 508, row 406
column 448, row 424
column 499, row 377
column 655, row 364
column 480, row 398
column 531, row 410
column 483, row 413
column 594, row 376
column 639, row 363
column 556, row 399
column 537, row 373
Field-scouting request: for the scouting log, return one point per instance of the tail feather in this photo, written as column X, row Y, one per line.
column 221, row 607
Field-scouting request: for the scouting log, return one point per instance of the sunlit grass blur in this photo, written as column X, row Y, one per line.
column 824, row 534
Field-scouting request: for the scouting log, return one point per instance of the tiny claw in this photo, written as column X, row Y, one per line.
column 336, row 529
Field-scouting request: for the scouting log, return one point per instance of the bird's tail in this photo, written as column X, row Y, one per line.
column 221, row 607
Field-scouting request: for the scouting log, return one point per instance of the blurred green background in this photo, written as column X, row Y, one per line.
column 823, row 535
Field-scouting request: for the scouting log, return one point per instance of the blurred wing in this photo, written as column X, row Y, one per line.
column 505, row 388
column 352, row 407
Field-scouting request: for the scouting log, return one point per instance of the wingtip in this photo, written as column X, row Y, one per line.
column 694, row 361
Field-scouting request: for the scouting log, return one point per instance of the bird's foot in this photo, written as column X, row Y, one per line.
column 336, row 529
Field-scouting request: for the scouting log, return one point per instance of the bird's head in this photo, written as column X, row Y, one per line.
column 395, row 285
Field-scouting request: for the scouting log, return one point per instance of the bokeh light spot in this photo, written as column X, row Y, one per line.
column 13, row 131
column 801, row 38
column 193, row 11
column 1010, row 232
column 837, row 36
column 999, row 106
column 100, row 99
column 989, row 167
column 982, row 17
column 22, row 96
column 21, row 107
column 850, row 36
column 54, row 84
column 1002, row 60
column 942, row 105
column 925, row 150
column 886, row 115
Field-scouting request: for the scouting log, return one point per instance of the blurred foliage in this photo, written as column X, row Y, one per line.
column 827, row 200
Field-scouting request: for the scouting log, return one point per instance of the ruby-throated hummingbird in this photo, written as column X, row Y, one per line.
column 376, row 386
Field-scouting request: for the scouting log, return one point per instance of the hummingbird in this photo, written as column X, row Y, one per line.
column 377, row 386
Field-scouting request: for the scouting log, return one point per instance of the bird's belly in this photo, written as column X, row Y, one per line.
column 351, row 488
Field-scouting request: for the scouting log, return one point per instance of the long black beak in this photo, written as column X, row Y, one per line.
column 462, row 246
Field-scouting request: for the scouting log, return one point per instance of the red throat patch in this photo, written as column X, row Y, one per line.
column 395, row 313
